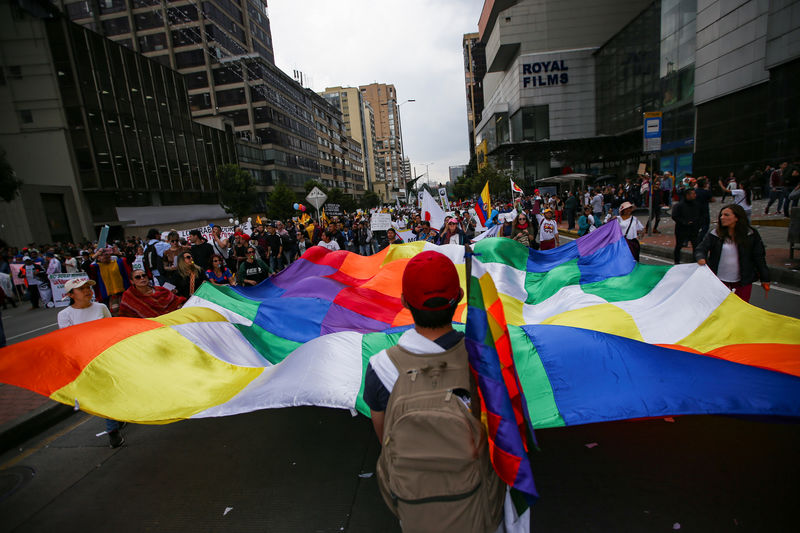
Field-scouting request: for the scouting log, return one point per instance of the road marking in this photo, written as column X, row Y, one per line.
column 31, row 331
column 30, row 451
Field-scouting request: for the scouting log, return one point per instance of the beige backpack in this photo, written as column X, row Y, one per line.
column 434, row 470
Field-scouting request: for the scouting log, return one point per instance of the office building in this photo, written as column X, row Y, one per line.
column 224, row 50
column 389, row 139
column 474, row 70
column 359, row 120
column 723, row 75
column 341, row 162
column 90, row 126
column 456, row 172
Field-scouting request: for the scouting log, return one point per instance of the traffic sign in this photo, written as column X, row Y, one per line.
column 316, row 197
column 652, row 131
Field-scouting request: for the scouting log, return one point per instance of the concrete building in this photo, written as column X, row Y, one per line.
column 456, row 172
column 389, row 139
column 571, row 98
column 359, row 120
column 474, row 71
column 224, row 50
column 341, row 161
column 90, row 126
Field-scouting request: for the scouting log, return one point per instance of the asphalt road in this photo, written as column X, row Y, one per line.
column 299, row 470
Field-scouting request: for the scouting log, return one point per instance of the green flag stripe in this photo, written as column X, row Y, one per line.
column 542, row 285
column 229, row 299
column 635, row 285
column 273, row 348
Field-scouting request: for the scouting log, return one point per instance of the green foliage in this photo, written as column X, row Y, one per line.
column 9, row 183
column 237, row 191
column 369, row 200
column 314, row 183
column 471, row 183
column 338, row 196
column 280, row 202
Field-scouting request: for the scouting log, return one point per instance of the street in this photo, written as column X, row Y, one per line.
column 312, row 469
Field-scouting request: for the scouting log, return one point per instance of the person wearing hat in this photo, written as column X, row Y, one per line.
column 631, row 228
column 429, row 369
column 452, row 233
column 548, row 231
column 112, row 276
column 30, row 273
column 81, row 310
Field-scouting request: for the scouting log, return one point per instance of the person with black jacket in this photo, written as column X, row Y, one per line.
column 735, row 252
column 201, row 251
column 688, row 217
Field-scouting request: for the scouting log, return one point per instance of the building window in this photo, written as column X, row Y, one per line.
column 15, row 72
column 185, row 38
column 230, row 97
column 196, row 80
column 26, row 116
column 199, row 101
column 192, row 58
column 150, row 43
column 146, row 21
column 79, row 10
column 111, row 6
column 116, row 26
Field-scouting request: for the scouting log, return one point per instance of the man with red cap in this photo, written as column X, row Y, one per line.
column 424, row 408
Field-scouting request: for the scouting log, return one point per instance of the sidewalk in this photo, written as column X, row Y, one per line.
column 773, row 229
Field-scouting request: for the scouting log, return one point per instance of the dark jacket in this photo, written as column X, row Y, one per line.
column 752, row 256
column 687, row 217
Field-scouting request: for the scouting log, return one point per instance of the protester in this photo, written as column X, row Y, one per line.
column 201, row 251
column 571, row 208
column 31, row 273
column 274, row 248
column 432, row 357
column 586, row 221
column 548, row 231
column 523, row 231
column 219, row 274
column 688, row 216
column 253, row 270
column 452, row 233
column 190, row 276
column 391, row 238
column 303, row 243
column 53, row 264
column 631, row 228
column 153, row 256
column 364, row 237
column 112, row 278
column 171, row 256
column 221, row 246
column 735, row 252
column 142, row 300
column 80, row 311
column 328, row 242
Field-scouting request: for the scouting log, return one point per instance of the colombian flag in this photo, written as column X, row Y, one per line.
column 484, row 205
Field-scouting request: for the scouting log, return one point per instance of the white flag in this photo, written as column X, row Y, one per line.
column 431, row 210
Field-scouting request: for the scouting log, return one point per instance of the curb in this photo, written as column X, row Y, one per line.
column 29, row 425
column 780, row 275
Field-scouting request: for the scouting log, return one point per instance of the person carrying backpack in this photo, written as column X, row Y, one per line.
column 434, row 471
column 153, row 257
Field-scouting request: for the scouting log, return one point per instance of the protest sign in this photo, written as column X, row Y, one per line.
column 57, row 282
column 333, row 210
column 380, row 221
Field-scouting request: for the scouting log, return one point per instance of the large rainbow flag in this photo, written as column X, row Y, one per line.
column 594, row 336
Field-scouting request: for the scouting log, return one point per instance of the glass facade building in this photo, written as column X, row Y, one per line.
column 130, row 126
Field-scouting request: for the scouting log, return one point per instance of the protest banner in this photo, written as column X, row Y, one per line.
column 380, row 222
column 57, row 282
column 205, row 231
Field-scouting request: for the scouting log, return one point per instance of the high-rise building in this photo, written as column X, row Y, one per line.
column 359, row 120
column 456, row 172
column 224, row 50
column 341, row 162
column 91, row 127
column 389, row 139
column 474, row 70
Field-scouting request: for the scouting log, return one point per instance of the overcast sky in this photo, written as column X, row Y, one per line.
column 413, row 44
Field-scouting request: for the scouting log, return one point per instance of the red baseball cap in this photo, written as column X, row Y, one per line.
column 431, row 275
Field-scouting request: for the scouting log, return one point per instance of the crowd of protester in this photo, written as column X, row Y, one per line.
column 150, row 276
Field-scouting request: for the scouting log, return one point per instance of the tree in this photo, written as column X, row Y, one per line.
column 369, row 200
column 9, row 183
column 237, row 190
column 280, row 202
column 338, row 196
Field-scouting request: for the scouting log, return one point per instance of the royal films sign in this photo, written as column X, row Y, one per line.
column 544, row 73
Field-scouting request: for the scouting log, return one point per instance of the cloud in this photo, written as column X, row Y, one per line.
column 413, row 44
